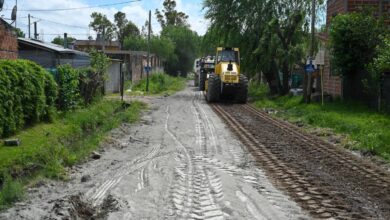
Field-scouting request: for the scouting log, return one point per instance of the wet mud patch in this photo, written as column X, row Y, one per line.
column 74, row 207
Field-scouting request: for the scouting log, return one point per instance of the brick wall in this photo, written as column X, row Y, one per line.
column 332, row 82
column 8, row 43
column 335, row 7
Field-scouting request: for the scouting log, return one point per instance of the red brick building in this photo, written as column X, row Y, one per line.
column 8, row 41
column 333, row 84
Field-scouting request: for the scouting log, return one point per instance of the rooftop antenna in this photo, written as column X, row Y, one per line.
column 14, row 13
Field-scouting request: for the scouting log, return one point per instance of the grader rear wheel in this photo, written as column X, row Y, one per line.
column 214, row 88
column 202, row 81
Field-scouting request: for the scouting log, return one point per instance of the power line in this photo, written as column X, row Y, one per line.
column 80, row 8
column 69, row 34
column 54, row 22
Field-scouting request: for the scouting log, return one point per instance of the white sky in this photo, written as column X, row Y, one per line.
column 76, row 22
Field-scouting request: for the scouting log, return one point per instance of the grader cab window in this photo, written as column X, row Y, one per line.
column 227, row 56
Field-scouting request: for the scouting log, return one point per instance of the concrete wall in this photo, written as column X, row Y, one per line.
column 8, row 43
column 112, row 83
column 135, row 61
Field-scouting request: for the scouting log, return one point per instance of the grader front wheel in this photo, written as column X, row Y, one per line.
column 242, row 91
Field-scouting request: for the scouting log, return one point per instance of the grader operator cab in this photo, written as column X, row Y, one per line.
column 227, row 80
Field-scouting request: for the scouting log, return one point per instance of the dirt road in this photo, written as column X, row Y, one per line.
column 180, row 162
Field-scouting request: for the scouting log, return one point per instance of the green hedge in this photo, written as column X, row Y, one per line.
column 27, row 95
column 68, row 88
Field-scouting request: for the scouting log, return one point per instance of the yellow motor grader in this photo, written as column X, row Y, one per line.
column 227, row 80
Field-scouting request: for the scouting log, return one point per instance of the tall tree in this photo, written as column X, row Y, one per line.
column 102, row 26
column 124, row 27
column 170, row 16
column 270, row 34
column 186, row 42
column 145, row 29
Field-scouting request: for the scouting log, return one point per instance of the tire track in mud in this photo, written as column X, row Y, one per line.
column 207, row 127
column 96, row 195
column 196, row 191
column 256, row 180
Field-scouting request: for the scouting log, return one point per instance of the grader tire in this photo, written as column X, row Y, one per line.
column 202, row 81
column 242, row 93
column 214, row 88
column 196, row 81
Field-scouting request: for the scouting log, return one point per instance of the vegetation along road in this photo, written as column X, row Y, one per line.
column 198, row 109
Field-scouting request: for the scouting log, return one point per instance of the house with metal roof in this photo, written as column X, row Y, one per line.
column 51, row 55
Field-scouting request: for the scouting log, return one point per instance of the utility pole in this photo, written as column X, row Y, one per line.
column 148, row 62
column 29, row 26
column 16, row 13
column 65, row 40
column 380, row 8
column 309, row 76
column 104, row 39
column 35, row 31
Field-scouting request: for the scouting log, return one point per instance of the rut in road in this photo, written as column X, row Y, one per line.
column 192, row 192
column 325, row 180
column 198, row 193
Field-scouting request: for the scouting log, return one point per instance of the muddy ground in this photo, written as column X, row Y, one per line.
column 180, row 162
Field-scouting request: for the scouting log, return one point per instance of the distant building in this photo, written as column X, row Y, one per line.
column 135, row 63
column 8, row 41
column 86, row 45
column 50, row 55
column 333, row 83
column 335, row 7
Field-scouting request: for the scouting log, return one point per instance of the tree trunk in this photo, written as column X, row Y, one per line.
column 272, row 83
column 286, row 73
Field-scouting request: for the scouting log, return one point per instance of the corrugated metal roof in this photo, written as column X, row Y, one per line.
column 6, row 24
column 128, row 52
column 95, row 43
column 51, row 47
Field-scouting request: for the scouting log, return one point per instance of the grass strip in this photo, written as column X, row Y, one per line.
column 367, row 130
column 47, row 149
column 159, row 84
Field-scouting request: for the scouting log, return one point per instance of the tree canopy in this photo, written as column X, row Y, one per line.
column 124, row 27
column 169, row 16
column 270, row 34
column 102, row 26
column 186, row 42
column 353, row 41
column 60, row 40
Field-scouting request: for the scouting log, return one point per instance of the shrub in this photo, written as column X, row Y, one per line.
column 92, row 78
column 68, row 88
column 27, row 94
column 353, row 40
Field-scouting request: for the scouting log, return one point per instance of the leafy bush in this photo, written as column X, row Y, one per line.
column 353, row 40
column 68, row 88
column 92, row 78
column 27, row 94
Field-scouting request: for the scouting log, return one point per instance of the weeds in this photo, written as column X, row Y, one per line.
column 47, row 149
column 11, row 191
column 160, row 83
